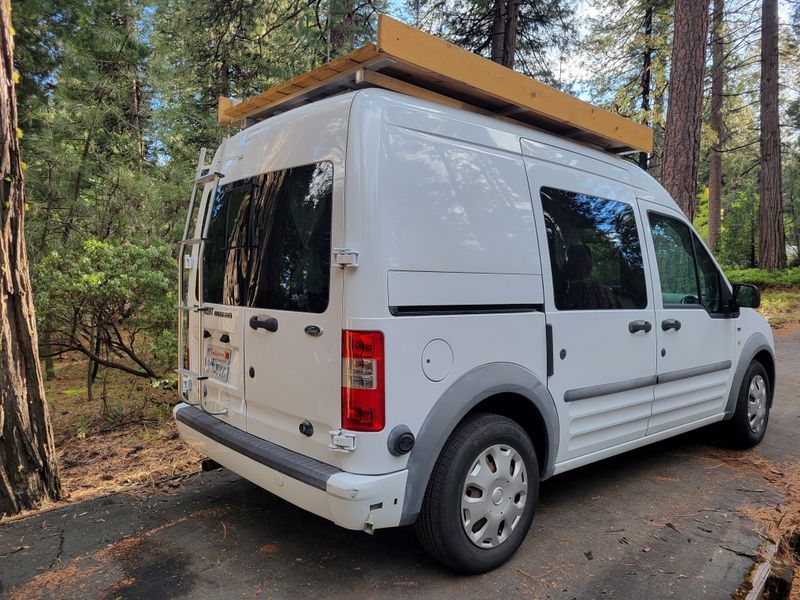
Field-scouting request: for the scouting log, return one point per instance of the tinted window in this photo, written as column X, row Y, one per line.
column 672, row 241
column 268, row 242
column 709, row 278
column 595, row 254
column 292, row 239
column 685, row 269
column 225, row 255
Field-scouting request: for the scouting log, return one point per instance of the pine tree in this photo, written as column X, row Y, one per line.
column 772, row 237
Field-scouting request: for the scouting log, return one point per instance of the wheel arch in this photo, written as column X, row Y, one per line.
column 758, row 348
column 502, row 388
column 765, row 358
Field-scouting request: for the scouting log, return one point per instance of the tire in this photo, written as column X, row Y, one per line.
column 749, row 422
column 504, row 498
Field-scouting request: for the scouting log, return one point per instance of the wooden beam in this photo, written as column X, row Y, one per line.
column 223, row 105
column 462, row 68
column 367, row 77
column 315, row 78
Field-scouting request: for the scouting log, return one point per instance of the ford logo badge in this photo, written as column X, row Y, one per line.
column 313, row 330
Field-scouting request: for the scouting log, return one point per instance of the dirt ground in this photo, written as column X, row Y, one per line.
column 124, row 440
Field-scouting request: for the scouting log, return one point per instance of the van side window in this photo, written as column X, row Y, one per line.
column 595, row 255
column 686, row 271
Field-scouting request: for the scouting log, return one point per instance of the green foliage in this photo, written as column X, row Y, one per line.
column 788, row 278
column 112, row 297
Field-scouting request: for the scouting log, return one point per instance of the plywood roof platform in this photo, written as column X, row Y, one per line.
column 409, row 61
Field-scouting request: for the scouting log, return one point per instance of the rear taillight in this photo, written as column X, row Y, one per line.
column 363, row 401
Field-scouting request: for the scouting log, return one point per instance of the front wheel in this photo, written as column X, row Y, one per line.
column 749, row 422
column 482, row 495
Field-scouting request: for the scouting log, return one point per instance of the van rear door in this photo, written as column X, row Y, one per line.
column 293, row 314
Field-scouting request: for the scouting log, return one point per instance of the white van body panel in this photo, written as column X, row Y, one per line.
column 442, row 207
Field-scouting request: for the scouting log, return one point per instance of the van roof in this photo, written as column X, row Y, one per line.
column 414, row 63
column 245, row 153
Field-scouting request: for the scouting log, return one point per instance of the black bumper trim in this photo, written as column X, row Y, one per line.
column 297, row 466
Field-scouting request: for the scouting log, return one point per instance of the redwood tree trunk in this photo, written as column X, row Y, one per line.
column 682, row 141
column 772, row 237
column 717, row 125
column 28, row 471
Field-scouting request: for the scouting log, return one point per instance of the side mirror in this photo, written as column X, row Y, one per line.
column 747, row 295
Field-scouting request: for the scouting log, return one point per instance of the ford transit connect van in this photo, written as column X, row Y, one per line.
column 406, row 313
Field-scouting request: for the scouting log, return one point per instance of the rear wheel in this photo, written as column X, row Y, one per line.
column 482, row 495
column 749, row 422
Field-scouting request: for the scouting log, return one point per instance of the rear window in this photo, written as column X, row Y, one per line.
column 268, row 242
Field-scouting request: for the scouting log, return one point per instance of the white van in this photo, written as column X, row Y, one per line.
column 406, row 313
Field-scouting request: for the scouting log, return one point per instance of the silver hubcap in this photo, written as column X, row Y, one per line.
column 494, row 495
column 757, row 403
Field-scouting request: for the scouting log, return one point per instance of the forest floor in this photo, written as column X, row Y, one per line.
column 123, row 440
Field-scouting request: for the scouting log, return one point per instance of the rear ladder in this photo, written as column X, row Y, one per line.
column 189, row 259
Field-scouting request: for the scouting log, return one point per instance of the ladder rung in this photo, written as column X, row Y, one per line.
column 191, row 374
column 207, row 178
column 192, row 241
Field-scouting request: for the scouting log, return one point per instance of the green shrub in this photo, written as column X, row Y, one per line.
column 787, row 278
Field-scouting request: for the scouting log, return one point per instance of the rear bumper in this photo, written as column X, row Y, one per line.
column 361, row 502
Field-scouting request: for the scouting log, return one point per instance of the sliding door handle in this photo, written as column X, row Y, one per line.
column 668, row 324
column 635, row 326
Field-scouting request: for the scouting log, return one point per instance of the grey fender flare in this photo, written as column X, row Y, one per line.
column 460, row 398
column 755, row 344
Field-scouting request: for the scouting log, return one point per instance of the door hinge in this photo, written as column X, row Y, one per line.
column 342, row 442
column 345, row 257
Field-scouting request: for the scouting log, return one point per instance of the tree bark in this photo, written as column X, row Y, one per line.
column 647, row 61
column 28, row 470
column 772, row 236
column 682, row 142
column 717, row 124
column 504, row 32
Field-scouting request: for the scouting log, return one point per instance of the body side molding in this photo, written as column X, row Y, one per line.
column 604, row 389
column 694, row 371
column 462, row 396
column 617, row 387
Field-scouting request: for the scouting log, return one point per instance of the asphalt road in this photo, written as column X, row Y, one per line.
column 670, row 520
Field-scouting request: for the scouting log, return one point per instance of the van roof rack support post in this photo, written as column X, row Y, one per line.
column 412, row 62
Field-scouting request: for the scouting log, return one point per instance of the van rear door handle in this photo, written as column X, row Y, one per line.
column 268, row 323
column 668, row 324
column 635, row 326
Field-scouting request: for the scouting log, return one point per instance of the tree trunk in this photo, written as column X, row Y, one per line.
column 717, row 125
column 341, row 27
column 771, row 234
column 28, row 470
column 504, row 32
column 647, row 61
column 682, row 142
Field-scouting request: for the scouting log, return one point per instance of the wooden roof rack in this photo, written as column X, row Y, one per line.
column 409, row 61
